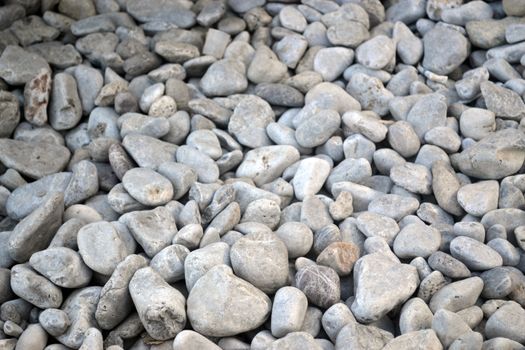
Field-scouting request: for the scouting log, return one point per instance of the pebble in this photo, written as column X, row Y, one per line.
column 223, row 78
column 36, row 230
column 355, row 335
column 152, row 229
column 65, row 108
column 32, row 159
column 262, row 260
column 375, row 295
column 54, row 321
column 331, row 62
column 32, row 287
column 147, row 186
column 267, row 135
column 221, row 304
column 265, row 164
column 320, row 284
column 160, row 306
column 101, row 247
column 288, row 311
column 115, row 300
column 62, row 266
column 474, row 254
column 18, row 66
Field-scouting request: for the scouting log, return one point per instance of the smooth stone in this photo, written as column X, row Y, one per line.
column 149, row 152
column 18, row 66
column 101, row 247
column 34, row 160
column 80, row 308
column 415, row 316
column 161, row 307
column 448, row 326
column 416, row 240
column 479, row 198
column 288, row 311
column 310, row 177
column 262, row 260
column 152, row 229
column 357, row 336
column 444, row 50
column 376, row 225
column 54, row 321
column 65, row 108
column 62, row 266
column 188, row 339
column 495, row 156
column 205, row 167
column 457, row 295
column 223, row 78
column 36, row 230
column 216, row 295
column 320, row 284
column 425, row 338
column 147, row 186
column 265, row 164
column 377, row 295
column 474, row 254
column 318, row 128
column 249, row 120
column 32, row 287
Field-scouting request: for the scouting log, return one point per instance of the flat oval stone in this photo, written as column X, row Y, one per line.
column 457, row 295
column 221, row 304
column 147, row 186
column 32, row 159
column 474, row 254
column 416, row 240
column 32, row 287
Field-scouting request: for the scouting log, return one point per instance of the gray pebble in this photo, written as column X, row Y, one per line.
column 54, row 321
column 101, row 247
column 18, row 66
column 115, row 300
column 160, row 306
column 147, row 186
column 216, row 295
column 444, row 50
column 152, row 229
column 320, row 284
column 169, row 263
column 62, row 266
column 34, row 288
column 457, row 295
column 373, row 298
column 288, row 311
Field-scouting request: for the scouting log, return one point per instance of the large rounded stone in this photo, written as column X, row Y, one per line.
column 221, row 304
column 262, row 260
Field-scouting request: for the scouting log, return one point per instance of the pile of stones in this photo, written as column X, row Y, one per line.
column 252, row 174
